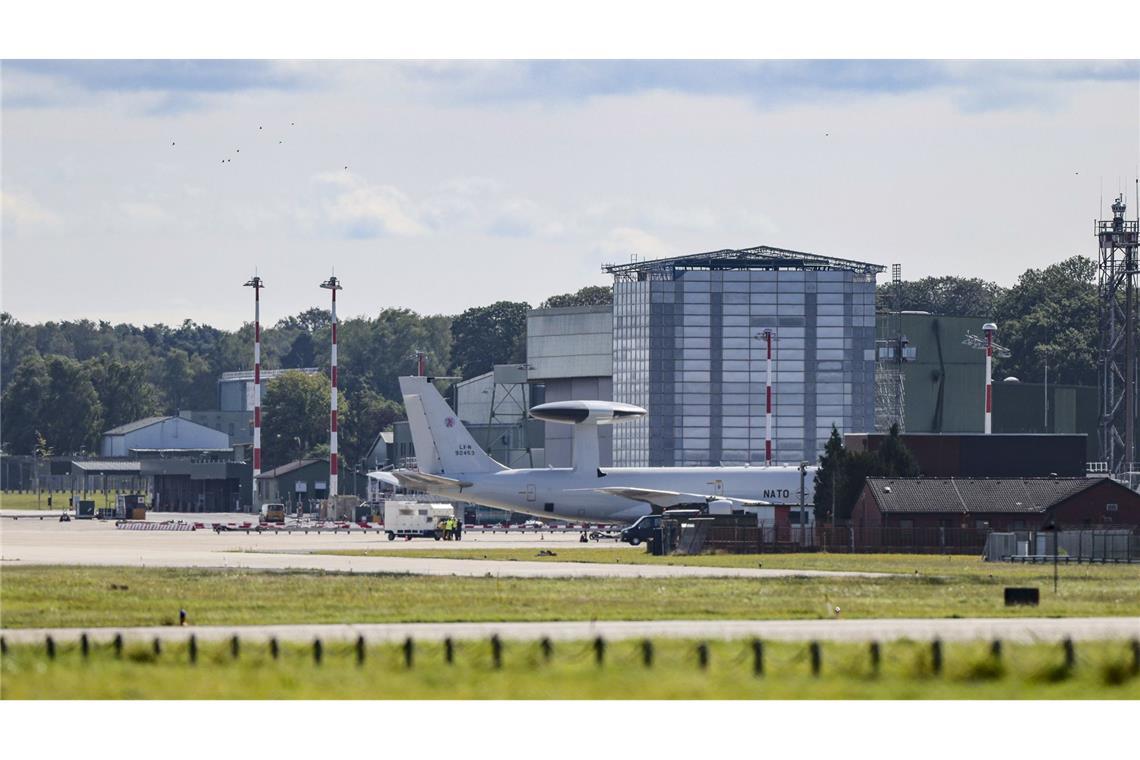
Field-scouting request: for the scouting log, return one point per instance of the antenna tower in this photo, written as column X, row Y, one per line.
column 1117, row 240
column 891, row 352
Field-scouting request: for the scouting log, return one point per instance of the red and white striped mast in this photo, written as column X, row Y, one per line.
column 767, row 335
column 990, row 328
column 256, row 283
column 333, row 284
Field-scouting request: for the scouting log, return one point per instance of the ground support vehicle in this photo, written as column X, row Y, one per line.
column 272, row 513
column 416, row 519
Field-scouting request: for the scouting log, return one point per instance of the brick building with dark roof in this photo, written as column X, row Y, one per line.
column 999, row 504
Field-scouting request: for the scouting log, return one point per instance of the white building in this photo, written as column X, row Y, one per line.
column 161, row 433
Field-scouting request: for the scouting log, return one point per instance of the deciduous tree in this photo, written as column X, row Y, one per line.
column 488, row 335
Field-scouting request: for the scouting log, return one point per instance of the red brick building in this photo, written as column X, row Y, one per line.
column 998, row 504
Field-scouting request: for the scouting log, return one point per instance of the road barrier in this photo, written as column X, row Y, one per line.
column 140, row 525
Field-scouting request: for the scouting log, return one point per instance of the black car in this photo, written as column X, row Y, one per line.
column 642, row 530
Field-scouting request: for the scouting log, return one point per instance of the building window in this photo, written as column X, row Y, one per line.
column 906, row 523
column 1110, row 507
column 548, row 506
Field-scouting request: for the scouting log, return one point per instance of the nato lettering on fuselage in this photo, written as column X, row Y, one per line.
column 777, row 493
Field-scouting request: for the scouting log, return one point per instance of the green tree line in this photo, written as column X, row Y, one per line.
column 1048, row 315
column 68, row 382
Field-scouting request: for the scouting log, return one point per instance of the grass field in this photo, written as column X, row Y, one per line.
column 13, row 500
column 947, row 565
column 1103, row 670
column 40, row 596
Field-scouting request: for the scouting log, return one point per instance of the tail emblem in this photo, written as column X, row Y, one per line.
column 449, row 422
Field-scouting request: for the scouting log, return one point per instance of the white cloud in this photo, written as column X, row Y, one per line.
column 144, row 212
column 465, row 190
column 622, row 242
column 469, row 205
column 367, row 210
column 22, row 210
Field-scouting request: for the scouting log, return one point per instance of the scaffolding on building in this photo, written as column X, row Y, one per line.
column 509, row 406
column 1117, row 240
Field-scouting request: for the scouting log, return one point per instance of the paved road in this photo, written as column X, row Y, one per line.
column 956, row 629
column 86, row 543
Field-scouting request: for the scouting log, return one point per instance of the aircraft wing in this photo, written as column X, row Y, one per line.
column 667, row 499
column 422, row 481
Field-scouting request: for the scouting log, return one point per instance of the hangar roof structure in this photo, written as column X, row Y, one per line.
column 758, row 257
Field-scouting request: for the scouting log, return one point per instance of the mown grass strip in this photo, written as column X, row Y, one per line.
column 522, row 670
column 43, row 596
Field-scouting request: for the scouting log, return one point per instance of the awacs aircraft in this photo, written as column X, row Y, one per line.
column 452, row 465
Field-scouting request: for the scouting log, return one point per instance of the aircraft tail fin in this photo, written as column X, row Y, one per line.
column 443, row 445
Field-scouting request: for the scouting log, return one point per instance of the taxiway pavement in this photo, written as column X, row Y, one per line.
column 47, row 542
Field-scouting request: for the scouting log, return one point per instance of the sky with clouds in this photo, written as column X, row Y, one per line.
column 149, row 191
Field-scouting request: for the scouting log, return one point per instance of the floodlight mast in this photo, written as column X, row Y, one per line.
column 991, row 349
column 333, row 284
column 256, row 283
column 990, row 329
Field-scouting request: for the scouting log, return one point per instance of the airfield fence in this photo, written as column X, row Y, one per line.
column 754, row 655
column 742, row 537
column 777, row 538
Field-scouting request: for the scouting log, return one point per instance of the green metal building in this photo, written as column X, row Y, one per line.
column 943, row 386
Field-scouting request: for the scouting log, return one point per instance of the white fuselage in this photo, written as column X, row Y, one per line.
column 452, row 464
column 569, row 494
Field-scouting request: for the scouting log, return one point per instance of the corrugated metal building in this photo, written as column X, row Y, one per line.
column 161, row 433
column 944, row 385
column 685, row 347
column 299, row 482
column 570, row 352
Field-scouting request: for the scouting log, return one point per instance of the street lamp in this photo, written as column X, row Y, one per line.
column 1055, row 529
